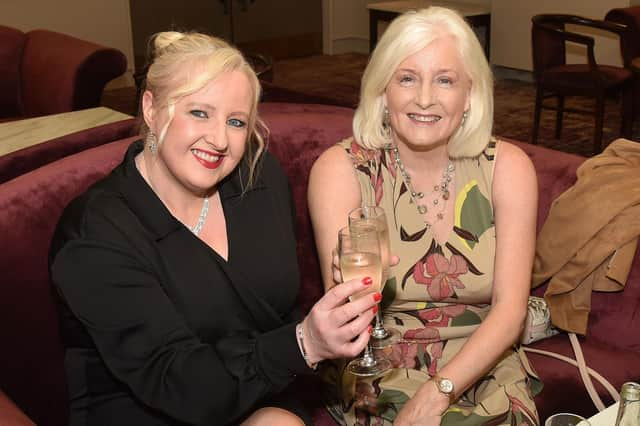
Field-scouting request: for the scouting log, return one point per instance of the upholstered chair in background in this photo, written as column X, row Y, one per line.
column 45, row 72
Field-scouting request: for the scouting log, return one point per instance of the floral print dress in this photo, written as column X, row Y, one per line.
column 436, row 297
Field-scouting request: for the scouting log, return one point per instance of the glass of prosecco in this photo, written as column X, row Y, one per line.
column 359, row 254
column 375, row 216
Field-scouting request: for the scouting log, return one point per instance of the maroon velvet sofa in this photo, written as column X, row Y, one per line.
column 24, row 160
column 31, row 359
column 45, row 72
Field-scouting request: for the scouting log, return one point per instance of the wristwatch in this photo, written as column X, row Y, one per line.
column 445, row 386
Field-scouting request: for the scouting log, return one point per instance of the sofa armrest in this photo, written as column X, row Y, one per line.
column 62, row 73
column 10, row 414
column 24, row 160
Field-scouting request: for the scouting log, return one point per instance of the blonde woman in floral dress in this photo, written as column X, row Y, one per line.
column 461, row 210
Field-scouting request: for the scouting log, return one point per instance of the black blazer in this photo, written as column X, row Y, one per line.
column 158, row 328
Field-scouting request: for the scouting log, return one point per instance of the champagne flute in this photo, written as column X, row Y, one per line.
column 374, row 215
column 359, row 254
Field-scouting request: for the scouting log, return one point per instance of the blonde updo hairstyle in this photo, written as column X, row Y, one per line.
column 406, row 35
column 182, row 63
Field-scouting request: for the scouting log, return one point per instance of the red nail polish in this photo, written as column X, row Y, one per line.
column 377, row 297
column 374, row 309
column 370, row 329
column 367, row 281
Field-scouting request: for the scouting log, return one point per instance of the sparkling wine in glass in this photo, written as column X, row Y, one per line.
column 359, row 254
column 381, row 337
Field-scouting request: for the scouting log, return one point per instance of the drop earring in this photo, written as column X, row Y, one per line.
column 386, row 123
column 152, row 143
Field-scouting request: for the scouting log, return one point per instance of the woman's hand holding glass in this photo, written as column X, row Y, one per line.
column 359, row 253
column 338, row 328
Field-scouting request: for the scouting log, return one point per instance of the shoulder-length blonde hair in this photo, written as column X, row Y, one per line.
column 183, row 63
column 406, row 35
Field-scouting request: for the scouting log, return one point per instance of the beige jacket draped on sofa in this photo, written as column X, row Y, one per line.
column 589, row 239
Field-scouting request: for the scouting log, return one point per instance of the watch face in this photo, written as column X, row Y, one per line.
column 446, row 385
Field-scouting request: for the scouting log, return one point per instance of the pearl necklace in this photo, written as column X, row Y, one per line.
column 442, row 188
column 202, row 218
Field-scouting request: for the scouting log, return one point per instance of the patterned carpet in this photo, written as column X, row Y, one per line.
column 337, row 79
column 513, row 118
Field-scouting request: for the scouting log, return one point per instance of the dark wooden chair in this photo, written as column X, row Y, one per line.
column 557, row 79
column 630, row 16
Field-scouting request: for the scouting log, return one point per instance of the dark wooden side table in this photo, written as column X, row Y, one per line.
column 476, row 16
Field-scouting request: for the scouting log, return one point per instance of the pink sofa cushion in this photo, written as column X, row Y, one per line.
column 612, row 314
column 32, row 372
column 611, row 346
column 11, row 46
column 556, row 172
column 297, row 140
column 12, row 415
column 564, row 389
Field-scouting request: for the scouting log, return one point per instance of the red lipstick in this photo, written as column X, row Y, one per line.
column 206, row 163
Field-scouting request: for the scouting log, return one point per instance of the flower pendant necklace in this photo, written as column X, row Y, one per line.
column 441, row 190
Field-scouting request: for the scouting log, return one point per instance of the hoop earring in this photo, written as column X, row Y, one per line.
column 152, row 143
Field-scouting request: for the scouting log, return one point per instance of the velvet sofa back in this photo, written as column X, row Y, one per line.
column 612, row 344
column 46, row 72
column 299, row 134
column 31, row 364
column 612, row 313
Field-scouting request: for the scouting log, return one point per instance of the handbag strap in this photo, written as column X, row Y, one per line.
column 586, row 379
column 585, row 372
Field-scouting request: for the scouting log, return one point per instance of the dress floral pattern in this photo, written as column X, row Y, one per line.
column 436, row 297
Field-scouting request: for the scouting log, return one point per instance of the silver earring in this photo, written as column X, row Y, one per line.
column 465, row 115
column 152, row 143
column 386, row 123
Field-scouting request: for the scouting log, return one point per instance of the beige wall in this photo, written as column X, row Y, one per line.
column 105, row 22
column 345, row 26
column 511, row 29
